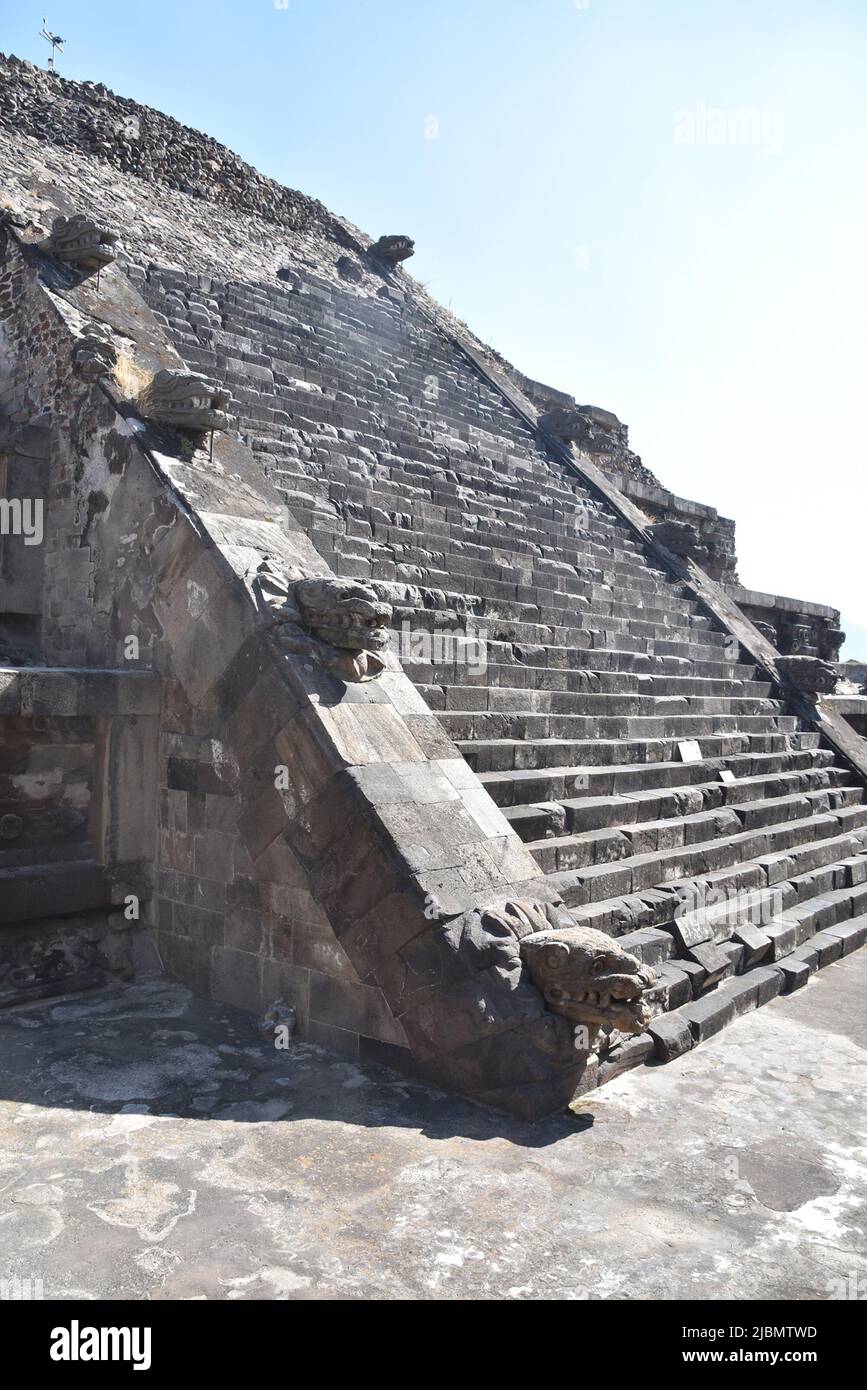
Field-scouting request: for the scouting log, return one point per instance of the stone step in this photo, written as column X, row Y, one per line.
column 514, row 700
column 485, row 491
column 539, row 821
column 531, row 622
column 519, row 786
column 697, row 642
column 512, row 527
column 458, row 674
column 390, row 561
column 587, row 662
column 610, row 844
column 766, row 811
column 783, row 920
column 676, row 1032
column 502, row 754
column 600, row 565
column 833, row 865
column 748, row 861
column 504, row 577
column 463, row 726
column 616, row 862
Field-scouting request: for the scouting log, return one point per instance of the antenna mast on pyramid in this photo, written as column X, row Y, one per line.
column 56, row 44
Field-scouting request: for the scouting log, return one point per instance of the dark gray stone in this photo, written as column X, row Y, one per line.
column 672, row 1034
column 708, row 1015
column 795, row 971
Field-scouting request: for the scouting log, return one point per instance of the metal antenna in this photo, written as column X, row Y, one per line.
column 56, row 43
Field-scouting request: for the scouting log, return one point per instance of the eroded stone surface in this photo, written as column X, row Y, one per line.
column 153, row 1146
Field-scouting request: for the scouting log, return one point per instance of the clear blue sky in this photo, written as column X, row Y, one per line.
column 584, row 207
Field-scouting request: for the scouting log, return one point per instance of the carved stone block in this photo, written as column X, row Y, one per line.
column 795, row 639
column 393, row 249
column 341, row 623
column 586, row 425
column 582, row 974
column 830, row 642
column 82, row 242
column 680, row 537
column 94, row 355
column 184, row 401
column 809, row 673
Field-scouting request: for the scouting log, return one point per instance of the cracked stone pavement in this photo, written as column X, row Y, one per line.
column 152, row 1146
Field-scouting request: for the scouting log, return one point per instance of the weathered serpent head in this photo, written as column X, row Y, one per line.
column 581, row 972
column 82, row 241
column 584, row 975
column 184, row 400
column 344, row 613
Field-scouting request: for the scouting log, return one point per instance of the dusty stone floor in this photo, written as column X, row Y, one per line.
column 151, row 1146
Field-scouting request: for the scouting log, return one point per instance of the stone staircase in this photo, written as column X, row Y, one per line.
column 734, row 868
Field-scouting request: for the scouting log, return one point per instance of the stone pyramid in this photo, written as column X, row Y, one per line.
column 352, row 677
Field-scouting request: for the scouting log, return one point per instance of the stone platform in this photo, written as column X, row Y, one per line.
column 151, row 1146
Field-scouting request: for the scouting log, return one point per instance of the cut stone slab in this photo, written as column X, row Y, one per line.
column 651, row 946
column 743, row 993
column 783, row 938
column 852, row 934
column 796, row 971
column 708, row 1015
column 735, row 953
column 715, row 963
column 678, row 984
column 692, row 929
column 756, row 944
column 828, row 948
column 671, row 1034
column 634, row 1052
column 695, row 974
column 856, row 870
column 768, row 982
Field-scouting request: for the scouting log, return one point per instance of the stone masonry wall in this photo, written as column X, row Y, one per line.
column 795, row 627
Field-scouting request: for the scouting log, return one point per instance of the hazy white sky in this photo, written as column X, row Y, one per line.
column 661, row 208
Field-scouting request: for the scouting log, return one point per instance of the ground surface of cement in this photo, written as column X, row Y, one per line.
column 152, row 1146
